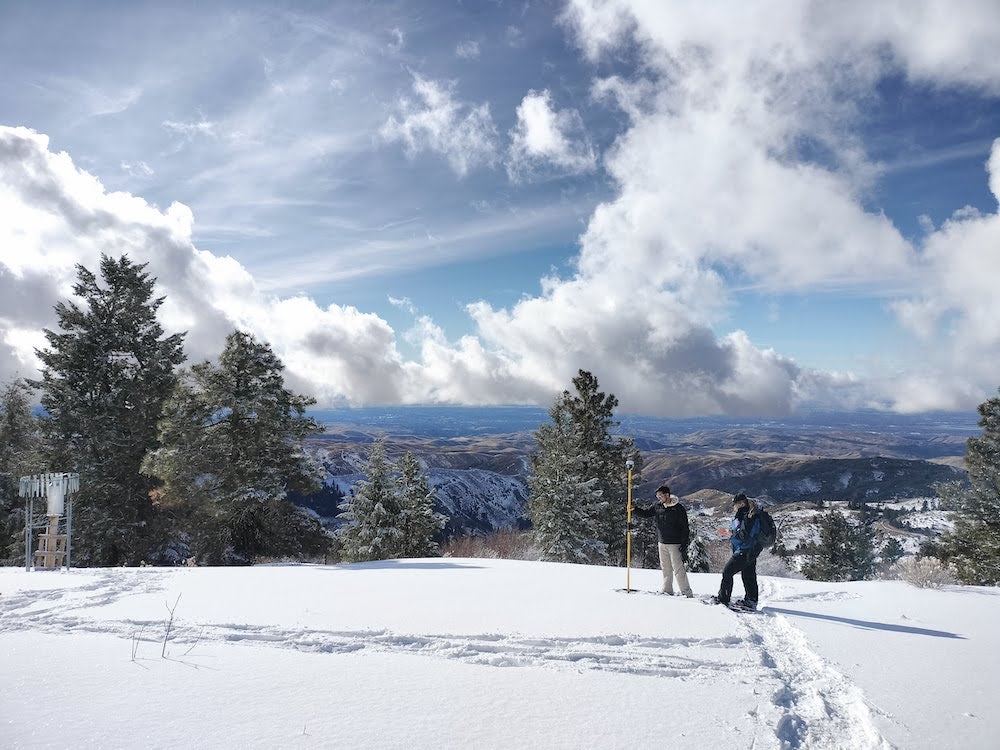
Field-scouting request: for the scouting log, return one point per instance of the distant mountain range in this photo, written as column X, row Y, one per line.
column 477, row 457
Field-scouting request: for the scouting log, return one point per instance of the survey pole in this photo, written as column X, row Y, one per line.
column 628, row 529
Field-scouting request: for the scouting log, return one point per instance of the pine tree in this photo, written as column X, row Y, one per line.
column 697, row 552
column 418, row 522
column 892, row 551
column 232, row 448
column 576, row 453
column 20, row 454
column 565, row 503
column 373, row 513
column 974, row 545
column 105, row 377
column 645, row 543
column 845, row 553
column 592, row 414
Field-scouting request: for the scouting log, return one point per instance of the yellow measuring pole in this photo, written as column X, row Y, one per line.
column 628, row 532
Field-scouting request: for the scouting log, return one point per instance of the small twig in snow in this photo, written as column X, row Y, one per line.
column 170, row 624
column 195, row 642
column 136, row 637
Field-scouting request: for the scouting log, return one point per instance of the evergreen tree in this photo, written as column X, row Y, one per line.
column 697, row 552
column 373, row 513
column 418, row 522
column 892, row 551
column 105, row 377
column 577, row 454
column 232, row 448
column 592, row 414
column 645, row 543
column 564, row 503
column 845, row 553
column 20, row 454
column 974, row 545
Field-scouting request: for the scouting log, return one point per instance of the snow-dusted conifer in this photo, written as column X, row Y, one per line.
column 892, row 551
column 565, row 503
column 645, row 543
column 20, row 446
column 592, row 415
column 845, row 552
column 105, row 377
column 373, row 513
column 232, row 446
column 697, row 552
column 974, row 545
column 419, row 523
column 595, row 463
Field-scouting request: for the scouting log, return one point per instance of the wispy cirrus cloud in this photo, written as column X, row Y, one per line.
column 467, row 50
column 190, row 130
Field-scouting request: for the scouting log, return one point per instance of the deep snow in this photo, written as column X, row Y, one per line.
column 459, row 653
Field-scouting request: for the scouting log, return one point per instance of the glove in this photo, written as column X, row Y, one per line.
column 684, row 553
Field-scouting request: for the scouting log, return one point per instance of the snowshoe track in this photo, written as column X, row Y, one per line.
column 813, row 705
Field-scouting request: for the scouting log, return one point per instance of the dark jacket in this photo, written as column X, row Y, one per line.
column 745, row 535
column 671, row 522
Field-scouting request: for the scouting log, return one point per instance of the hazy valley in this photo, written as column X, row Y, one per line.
column 477, row 459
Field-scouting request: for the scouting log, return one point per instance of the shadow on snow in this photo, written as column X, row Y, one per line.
column 403, row 565
column 866, row 624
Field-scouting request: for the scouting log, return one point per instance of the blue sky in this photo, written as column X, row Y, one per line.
column 739, row 208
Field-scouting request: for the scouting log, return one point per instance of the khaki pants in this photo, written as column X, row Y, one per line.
column 673, row 565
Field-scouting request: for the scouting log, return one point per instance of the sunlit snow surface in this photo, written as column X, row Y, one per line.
column 462, row 653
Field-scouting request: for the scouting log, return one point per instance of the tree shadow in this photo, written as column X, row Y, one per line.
column 867, row 624
column 404, row 565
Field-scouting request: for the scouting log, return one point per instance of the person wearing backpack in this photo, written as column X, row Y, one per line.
column 674, row 534
column 747, row 541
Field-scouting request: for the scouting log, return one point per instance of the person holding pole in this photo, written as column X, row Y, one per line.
column 674, row 534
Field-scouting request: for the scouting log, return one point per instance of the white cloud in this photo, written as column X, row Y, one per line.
column 137, row 168
column 545, row 139
column 955, row 309
column 468, row 50
column 994, row 169
column 54, row 216
column 464, row 134
column 403, row 303
column 713, row 191
column 398, row 39
column 190, row 130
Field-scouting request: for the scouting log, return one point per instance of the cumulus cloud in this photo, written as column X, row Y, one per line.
column 464, row 134
column 956, row 308
column 56, row 216
column 717, row 188
column 547, row 140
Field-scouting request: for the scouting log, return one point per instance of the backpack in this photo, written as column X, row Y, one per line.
column 768, row 531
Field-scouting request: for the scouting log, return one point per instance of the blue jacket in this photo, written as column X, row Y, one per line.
column 745, row 536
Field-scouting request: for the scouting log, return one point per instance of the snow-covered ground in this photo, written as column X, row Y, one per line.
column 459, row 653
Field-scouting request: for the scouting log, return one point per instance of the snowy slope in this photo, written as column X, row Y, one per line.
column 487, row 654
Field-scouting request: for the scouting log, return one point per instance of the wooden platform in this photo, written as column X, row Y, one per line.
column 51, row 552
